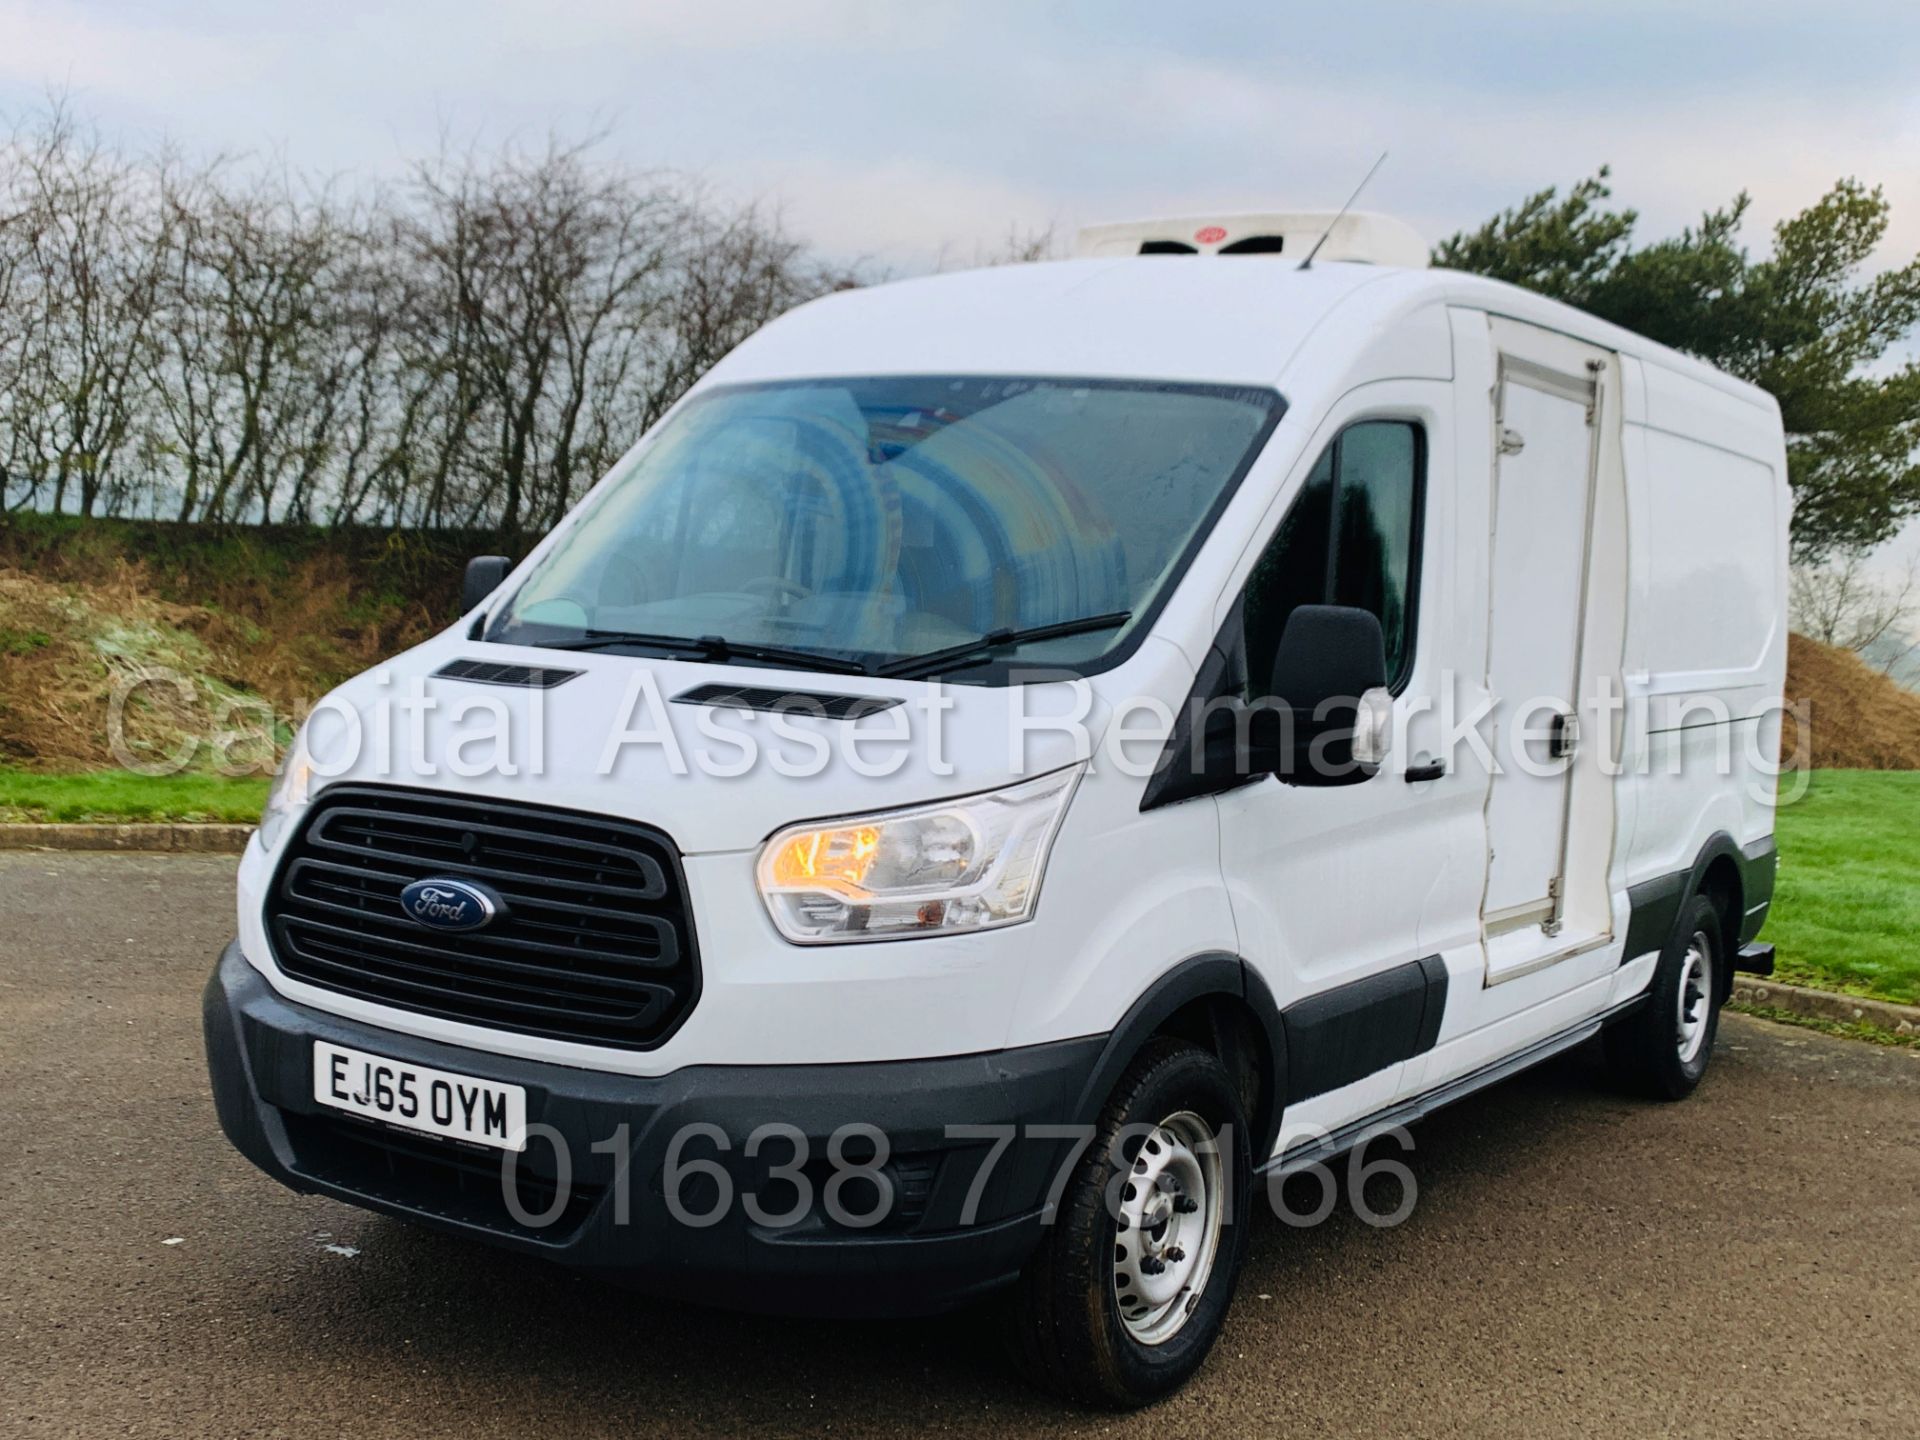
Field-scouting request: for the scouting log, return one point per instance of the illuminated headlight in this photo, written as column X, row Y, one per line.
column 292, row 788
column 961, row 865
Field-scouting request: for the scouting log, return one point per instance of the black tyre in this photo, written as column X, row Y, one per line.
column 1128, row 1291
column 1662, row 1049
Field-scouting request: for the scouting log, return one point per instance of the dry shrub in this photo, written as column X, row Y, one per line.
column 65, row 650
column 249, row 663
column 273, row 615
column 1859, row 719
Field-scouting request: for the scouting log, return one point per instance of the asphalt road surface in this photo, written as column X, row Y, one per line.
column 1746, row 1263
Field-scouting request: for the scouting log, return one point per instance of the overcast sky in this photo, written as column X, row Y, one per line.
column 903, row 131
column 894, row 129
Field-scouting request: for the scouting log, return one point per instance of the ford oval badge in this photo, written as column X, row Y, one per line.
column 445, row 904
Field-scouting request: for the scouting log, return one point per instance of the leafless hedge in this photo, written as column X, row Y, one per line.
column 230, row 342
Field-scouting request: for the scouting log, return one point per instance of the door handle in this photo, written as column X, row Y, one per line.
column 1426, row 770
column 1564, row 737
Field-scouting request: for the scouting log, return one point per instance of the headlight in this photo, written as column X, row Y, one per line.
column 292, row 788
column 961, row 865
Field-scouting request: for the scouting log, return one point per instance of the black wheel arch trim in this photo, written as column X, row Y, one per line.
column 1319, row 1043
column 1198, row 977
column 1760, row 861
column 1656, row 906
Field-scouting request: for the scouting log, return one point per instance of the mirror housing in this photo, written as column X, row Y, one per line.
column 1329, row 653
column 1329, row 721
column 483, row 577
column 1373, row 729
column 1330, row 681
column 1330, row 715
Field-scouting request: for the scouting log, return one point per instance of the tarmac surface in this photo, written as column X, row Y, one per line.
column 1575, row 1263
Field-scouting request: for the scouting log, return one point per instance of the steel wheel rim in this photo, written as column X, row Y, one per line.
column 1694, row 1006
column 1172, row 1207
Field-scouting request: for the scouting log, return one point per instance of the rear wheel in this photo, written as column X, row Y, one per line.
column 1663, row 1048
column 1128, row 1290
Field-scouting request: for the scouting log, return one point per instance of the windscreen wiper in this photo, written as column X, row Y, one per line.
column 975, row 652
column 716, row 648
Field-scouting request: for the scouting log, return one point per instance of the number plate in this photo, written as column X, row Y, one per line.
column 414, row 1097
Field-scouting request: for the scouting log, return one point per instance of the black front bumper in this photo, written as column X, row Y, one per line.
column 925, row 1253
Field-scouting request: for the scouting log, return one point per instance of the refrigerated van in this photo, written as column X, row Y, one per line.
column 1017, row 762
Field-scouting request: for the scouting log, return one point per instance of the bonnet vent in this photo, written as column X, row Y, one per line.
column 487, row 672
column 791, row 702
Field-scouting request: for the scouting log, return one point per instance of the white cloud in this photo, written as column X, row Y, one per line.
column 45, row 47
column 902, row 132
column 913, row 216
column 732, row 26
column 1455, row 155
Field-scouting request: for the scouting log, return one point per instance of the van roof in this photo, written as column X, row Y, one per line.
column 1232, row 320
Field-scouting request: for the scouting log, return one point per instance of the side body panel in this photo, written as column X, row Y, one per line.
column 1493, row 1013
column 1333, row 889
column 1706, row 645
column 1556, row 604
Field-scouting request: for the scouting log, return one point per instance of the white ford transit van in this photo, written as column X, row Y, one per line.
column 1016, row 761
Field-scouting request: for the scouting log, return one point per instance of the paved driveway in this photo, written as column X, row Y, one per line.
column 1577, row 1264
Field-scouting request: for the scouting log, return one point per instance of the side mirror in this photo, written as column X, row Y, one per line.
column 483, row 577
column 1333, row 710
column 1328, row 721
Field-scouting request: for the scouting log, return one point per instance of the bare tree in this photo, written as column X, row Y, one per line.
column 225, row 342
column 1020, row 246
column 253, row 362
column 737, row 273
column 397, row 378
column 19, row 221
column 82, row 286
column 1845, row 603
column 550, row 272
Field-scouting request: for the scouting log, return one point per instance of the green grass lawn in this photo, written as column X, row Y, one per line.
column 112, row 795
column 1846, row 911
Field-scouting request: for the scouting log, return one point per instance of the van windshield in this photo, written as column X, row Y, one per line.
column 883, row 523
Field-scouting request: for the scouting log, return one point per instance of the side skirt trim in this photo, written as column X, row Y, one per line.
column 1409, row 1112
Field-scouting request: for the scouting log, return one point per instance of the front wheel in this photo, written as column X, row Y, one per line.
column 1128, row 1290
column 1662, row 1049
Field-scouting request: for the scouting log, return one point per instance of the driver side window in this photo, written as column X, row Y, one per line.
column 1351, row 537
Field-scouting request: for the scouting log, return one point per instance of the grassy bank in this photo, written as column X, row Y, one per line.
column 170, row 633
column 1846, row 912
column 118, row 795
column 252, row 571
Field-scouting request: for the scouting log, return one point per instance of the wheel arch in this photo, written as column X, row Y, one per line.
column 1718, row 874
column 1659, row 906
column 1219, row 1002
